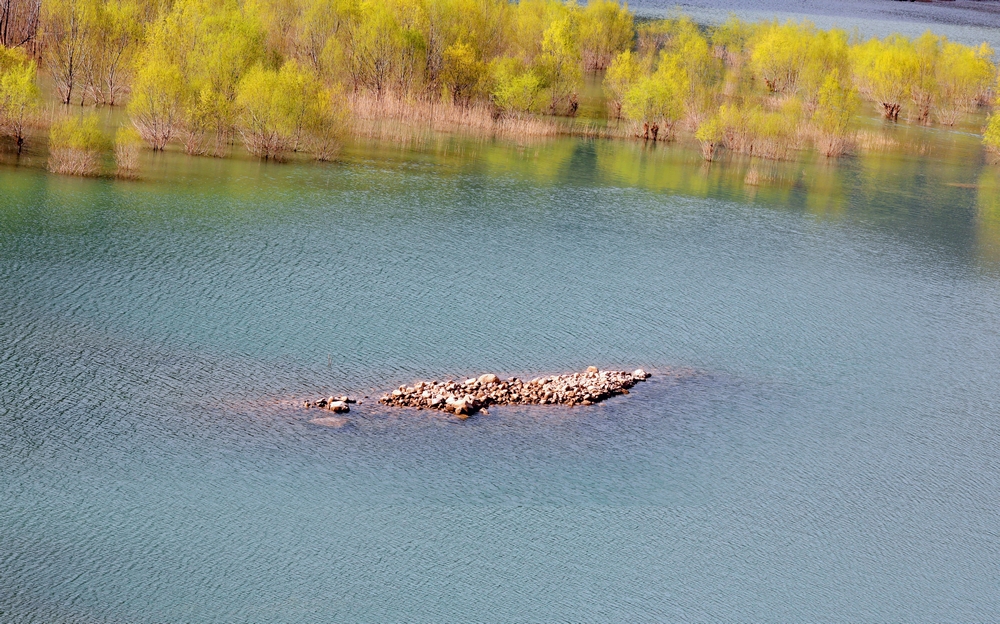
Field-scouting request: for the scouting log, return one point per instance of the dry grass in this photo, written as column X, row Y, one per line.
column 127, row 160
column 868, row 141
column 834, row 145
column 404, row 120
column 78, row 162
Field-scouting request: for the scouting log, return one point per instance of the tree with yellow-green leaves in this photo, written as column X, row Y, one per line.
column 702, row 70
column 287, row 110
column 829, row 52
column 201, row 49
column 622, row 74
column 462, row 72
column 836, row 106
column 75, row 145
column 779, row 53
column 517, row 89
column 991, row 134
column 657, row 101
column 924, row 85
column 111, row 45
column 19, row 94
column 885, row 70
column 64, row 27
column 964, row 76
column 158, row 102
column 606, row 29
column 559, row 64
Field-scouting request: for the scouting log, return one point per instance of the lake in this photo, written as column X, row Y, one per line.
column 818, row 442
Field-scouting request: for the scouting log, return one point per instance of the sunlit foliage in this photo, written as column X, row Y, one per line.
column 76, row 144
column 285, row 76
column 19, row 94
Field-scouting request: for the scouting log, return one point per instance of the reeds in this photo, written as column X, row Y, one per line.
column 74, row 161
column 128, row 143
column 868, row 141
column 76, row 144
column 402, row 119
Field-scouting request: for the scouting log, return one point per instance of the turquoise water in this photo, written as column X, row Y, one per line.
column 828, row 451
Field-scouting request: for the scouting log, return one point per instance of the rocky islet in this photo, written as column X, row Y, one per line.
column 464, row 398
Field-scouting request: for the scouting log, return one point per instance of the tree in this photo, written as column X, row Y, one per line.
column 210, row 44
column 111, row 44
column 779, row 53
column 18, row 22
column 835, row 109
column 606, row 29
column 991, row 136
column 283, row 110
column 516, row 89
column 623, row 72
column 559, row 62
column 829, row 51
column 884, row 71
column 924, row 86
column 19, row 94
column 264, row 120
column 658, row 99
column 75, row 145
column 462, row 72
column 963, row 75
column 64, row 28
column 157, row 105
column 709, row 134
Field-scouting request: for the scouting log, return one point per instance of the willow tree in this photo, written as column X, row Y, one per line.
column 18, row 22
column 210, row 44
column 158, row 100
column 657, row 101
column 559, row 63
column 702, row 70
column 779, row 54
column 606, row 29
column 19, row 94
column 964, row 76
column 991, row 134
column 463, row 73
column 65, row 26
column 884, row 71
column 517, row 88
column 378, row 52
column 924, row 85
column 622, row 74
column 111, row 45
column 829, row 53
column 835, row 109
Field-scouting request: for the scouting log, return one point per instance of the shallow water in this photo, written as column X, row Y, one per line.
column 829, row 452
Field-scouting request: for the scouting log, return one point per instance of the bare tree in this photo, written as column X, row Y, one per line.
column 19, row 22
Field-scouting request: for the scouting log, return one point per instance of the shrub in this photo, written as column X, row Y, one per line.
column 991, row 136
column 19, row 95
column 128, row 142
column 76, row 144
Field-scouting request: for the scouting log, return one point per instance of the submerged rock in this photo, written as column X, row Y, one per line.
column 329, row 421
column 337, row 404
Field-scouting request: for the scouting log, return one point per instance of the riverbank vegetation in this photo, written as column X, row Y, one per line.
column 287, row 76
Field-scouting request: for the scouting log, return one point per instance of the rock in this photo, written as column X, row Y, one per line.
column 339, row 407
column 473, row 395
